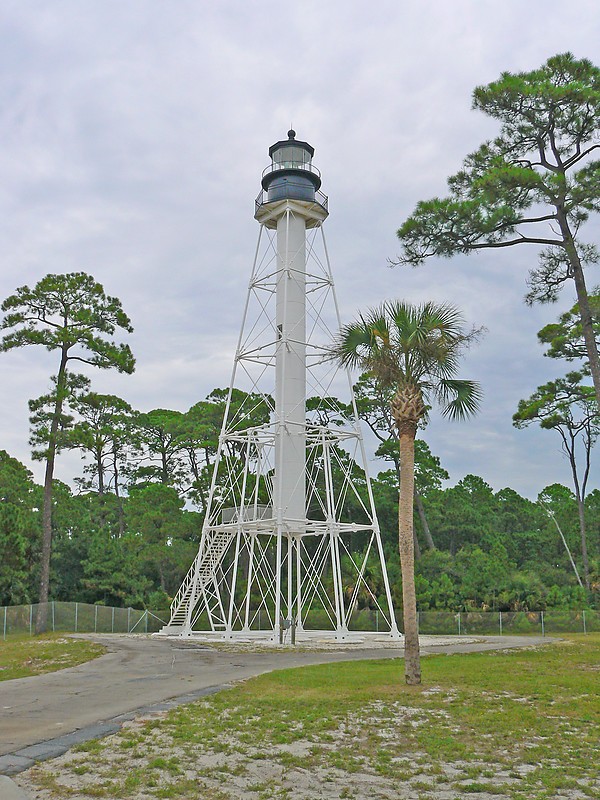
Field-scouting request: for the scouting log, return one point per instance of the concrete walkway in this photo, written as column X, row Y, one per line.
column 44, row 716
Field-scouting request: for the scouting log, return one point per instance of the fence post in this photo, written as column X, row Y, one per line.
column 30, row 617
column 458, row 620
column 129, row 620
column 53, row 625
column 76, row 611
column 377, row 620
column 146, row 621
column 5, row 610
column 500, row 618
column 584, row 625
column 112, row 622
column 95, row 618
column 542, row 619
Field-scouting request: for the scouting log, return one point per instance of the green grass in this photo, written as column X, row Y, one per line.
column 23, row 656
column 519, row 724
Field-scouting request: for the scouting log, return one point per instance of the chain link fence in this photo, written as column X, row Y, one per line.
column 85, row 618
column 80, row 618
column 489, row 623
column 509, row 622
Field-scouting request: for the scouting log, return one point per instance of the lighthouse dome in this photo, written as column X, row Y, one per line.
column 291, row 174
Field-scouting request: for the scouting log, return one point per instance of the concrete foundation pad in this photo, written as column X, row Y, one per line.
column 10, row 791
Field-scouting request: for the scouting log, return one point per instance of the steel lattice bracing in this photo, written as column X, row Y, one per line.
column 291, row 530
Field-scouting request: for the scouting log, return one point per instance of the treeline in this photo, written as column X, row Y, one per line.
column 126, row 529
column 128, row 532
column 500, row 551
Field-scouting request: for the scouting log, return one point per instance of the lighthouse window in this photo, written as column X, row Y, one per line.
column 291, row 156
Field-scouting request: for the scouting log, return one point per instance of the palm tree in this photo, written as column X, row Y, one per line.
column 413, row 349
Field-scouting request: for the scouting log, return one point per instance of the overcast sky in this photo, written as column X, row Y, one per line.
column 133, row 138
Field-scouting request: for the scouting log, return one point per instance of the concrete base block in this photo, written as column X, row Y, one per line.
column 10, row 791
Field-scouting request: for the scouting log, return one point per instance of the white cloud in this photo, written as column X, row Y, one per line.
column 132, row 140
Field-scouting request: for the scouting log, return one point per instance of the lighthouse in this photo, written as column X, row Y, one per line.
column 290, row 204
column 290, row 531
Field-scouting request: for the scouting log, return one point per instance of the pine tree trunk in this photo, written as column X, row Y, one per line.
column 585, row 313
column 118, row 496
column 100, row 469
column 416, row 544
column 584, row 553
column 421, row 511
column 580, row 487
column 41, row 620
column 412, row 665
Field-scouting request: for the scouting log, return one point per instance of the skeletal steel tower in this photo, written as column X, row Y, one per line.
column 290, row 536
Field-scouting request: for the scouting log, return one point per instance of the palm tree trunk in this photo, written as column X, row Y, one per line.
column 416, row 544
column 412, row 665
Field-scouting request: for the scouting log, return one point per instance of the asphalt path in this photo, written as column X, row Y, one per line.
column 42, row 717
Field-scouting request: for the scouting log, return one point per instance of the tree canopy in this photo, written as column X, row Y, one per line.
column 567, row 406
column 565, row 338
column 72, row 314
column 536, row 183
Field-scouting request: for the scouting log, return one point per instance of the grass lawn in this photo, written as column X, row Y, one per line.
column 507, row 724
column 22, row 656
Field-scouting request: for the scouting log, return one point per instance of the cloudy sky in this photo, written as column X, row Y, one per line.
column 133, row 138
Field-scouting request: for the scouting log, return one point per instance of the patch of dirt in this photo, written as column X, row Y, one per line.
column 307, row 769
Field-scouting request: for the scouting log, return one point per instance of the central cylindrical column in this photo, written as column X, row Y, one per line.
column 290, row 368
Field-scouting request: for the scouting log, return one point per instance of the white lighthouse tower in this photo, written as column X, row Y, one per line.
column 290, row 539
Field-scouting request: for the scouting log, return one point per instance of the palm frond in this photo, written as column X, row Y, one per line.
column 402, row 343
column 459, row 399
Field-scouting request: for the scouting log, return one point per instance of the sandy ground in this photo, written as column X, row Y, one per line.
column 138, row 671
column 145, row 762
column 240, row 771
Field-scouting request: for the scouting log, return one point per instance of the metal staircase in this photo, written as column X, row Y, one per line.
column 199, row 576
